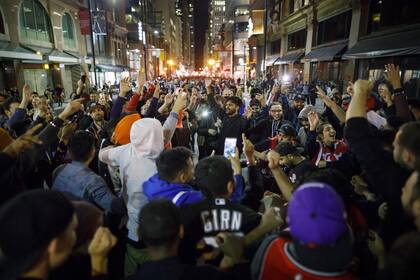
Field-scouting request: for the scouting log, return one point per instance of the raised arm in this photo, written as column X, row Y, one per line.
column 337, row 110
column 400, row 99
column 283, row 182
column 170, row 124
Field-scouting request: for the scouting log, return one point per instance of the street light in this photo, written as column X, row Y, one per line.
column 211, row 61
column 171, row 63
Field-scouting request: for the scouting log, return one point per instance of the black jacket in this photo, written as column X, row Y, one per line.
column 385, row 176
column 172, row 269
column 17, row 177
column 204, row 219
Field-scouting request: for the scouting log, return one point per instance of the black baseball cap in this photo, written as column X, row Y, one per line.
column 299, row 97
column 29, row 222
column 287, row 129
column 286, row 148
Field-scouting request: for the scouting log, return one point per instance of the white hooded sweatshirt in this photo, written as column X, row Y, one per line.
column 136, row 162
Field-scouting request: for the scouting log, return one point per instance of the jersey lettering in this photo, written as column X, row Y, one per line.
column 221, row 220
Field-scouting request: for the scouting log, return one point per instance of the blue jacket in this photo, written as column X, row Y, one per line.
column 183, row 194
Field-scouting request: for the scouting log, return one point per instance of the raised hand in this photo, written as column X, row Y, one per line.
column 275, row 89
column 248, row 113
column 313, row 120
column 231, row 245
column 363, row 87
column 71, row 108
column 321, row 93
column 24, row 142
column 248, row 148
column 236, row 163
column 393, row 75
column 157, row 91
column 169, row 98
column 67, row 131
column 125, row 87
column 141, row 80
column 180, row 103
column 271, row 219
column 103, row 241
column 26, row 96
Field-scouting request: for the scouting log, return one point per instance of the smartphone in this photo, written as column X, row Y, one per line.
column 230, row 147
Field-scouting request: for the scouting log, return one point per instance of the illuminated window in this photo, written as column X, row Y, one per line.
column 68, row 31
column 34, row 21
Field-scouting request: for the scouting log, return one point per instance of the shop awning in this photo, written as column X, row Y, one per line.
column 290, row 58
column 325, row 53
column 9, row 50
column 62, row 57
column 40, row 50
column 270, row 60
column 394, row 44
column 54, row 55
column 111, row 68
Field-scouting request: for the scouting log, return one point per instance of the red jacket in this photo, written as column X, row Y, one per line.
column 274, row 263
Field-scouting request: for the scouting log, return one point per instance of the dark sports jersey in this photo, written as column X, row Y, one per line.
column 275, row 259
column 297, row 172
column 204, row 220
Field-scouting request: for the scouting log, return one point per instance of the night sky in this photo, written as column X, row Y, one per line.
column 201, row 16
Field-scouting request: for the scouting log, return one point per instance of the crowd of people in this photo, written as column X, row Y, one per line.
column 195, row 179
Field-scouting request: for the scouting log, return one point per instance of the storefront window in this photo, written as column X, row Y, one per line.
column 335, row 28
column 296, row 40
column 410, row 72
column 241, row 27
column 388, row 13
column 68, row 31
column 34, row 21
column 38, row 79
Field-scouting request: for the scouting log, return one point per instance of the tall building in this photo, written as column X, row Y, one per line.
column 171, row 31
column 46, row 43
column 234, row 51
column 110, row 48
column 146, row 42
column 217, row 19
column 185, row 10
column 341, row 40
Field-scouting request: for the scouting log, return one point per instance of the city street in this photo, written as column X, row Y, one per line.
column 209, row 139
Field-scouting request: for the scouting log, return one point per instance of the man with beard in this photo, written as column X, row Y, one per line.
column 268, row 129
column 232, row 125
column 98, row 126
column 293, row 112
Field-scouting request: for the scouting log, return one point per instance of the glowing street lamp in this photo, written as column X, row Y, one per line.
column 211, row 62
column 171, row 63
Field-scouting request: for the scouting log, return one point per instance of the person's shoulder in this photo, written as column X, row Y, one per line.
column 191, row 209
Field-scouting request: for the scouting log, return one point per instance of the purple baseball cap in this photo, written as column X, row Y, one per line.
column 316, row 215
